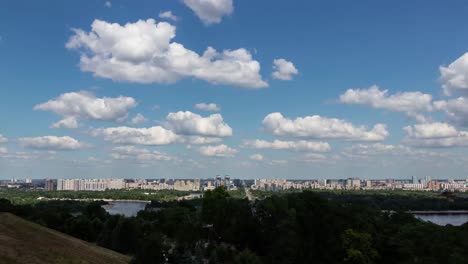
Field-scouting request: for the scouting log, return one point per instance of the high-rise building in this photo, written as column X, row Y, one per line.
column 89, row 184
column 353, row 183
column 227, row 182
column 219, row 181
column 49, row 185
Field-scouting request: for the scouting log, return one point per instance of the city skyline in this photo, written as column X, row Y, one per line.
column 178, row 89
column 425, row 184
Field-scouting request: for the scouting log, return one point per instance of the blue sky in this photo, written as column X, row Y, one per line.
column 360, row 89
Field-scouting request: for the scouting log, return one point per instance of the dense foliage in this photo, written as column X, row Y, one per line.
column 387, row 199
column 291, row 228
column 22, row 196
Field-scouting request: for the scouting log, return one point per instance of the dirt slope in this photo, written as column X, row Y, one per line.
column 22, row 241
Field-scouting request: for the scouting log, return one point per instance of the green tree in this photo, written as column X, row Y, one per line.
column 247, row 257
column 151, row 251
column 5, row 205
column 358, row 247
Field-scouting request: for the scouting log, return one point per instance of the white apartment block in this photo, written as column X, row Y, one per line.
column 89, row 184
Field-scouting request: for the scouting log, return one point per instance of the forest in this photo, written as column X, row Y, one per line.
column 302, row 227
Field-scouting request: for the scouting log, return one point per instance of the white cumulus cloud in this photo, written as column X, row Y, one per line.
column 435, row 135
column 139, row 154
column 217, row 151
column 210, row 11
column 197, row 140
column 180, row 127
column 188, row 123
column 322, row 127
column 143, row 52
column 208, row 107
column 257, row 157
column 455, row 109
column 431, row 130
column 3, row 139
column 139, row 119
column 411, row 103
column 168, row 15
column 67, row 122
column 367, row 150
column 301, row 145
column 52, row 143
column 83, row 105
column 156, row 135
column 454, row 77
column 284, row 70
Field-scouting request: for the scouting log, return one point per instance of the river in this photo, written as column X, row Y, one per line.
column 125, row 208
column 131, row 208
column 443, row 219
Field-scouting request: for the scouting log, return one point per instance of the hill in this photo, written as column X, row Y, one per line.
column 22, row 241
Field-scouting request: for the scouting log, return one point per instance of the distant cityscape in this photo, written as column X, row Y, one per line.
column 195, row 185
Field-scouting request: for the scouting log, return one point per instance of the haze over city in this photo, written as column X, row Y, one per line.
column 251, row 89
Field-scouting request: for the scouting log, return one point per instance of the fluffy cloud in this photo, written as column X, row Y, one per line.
column 139, row 119
column 142, row 155
column 130, row 150
column 301, row 145
column 456, row 109
column 156, row 135
column 168, row 15
column 377, row 149
column 322, row 127
column 151, row 136
column 411, row 103
column 454, row 77
column 208, row 107
column 284, row 70
column 52, row 143
column 3, row 139
column 143, row 52
column 210, row 11
column 431, row 130
column 196, row 140
column 68, row 122
column 108, row 4
column 188, row 123
column 83, row 105
column 180, row 127
column 435, row 135
column 217, row 151
column 257, row 157
column 3, row 150
column 366, row 150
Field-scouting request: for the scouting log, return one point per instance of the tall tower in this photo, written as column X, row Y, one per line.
column 49, row 185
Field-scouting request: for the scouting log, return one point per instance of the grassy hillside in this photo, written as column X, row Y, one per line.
column 22, row 241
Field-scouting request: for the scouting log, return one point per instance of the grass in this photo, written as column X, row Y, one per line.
column 22, row 241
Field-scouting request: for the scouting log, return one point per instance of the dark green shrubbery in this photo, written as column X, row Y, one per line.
column 305, row 227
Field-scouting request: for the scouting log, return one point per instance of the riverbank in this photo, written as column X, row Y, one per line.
column 93, row 200
column 443, row 212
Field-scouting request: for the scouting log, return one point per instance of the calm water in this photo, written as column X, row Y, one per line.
column 125, row 208
column 132, row 208
column 444, row 219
